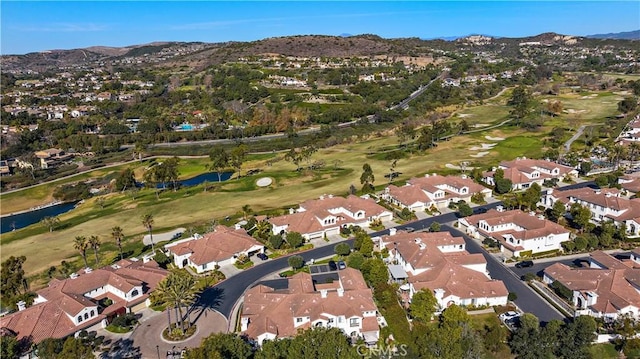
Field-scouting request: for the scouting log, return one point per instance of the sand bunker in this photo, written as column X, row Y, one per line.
column 463, row 115
column 484, row 146
column 494, row 138
column 454, row 167
column 481, row 125
column 264, row 182
column 480, row 154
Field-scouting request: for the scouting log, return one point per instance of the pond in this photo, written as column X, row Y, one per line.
column 199, row 179
column 21, row 220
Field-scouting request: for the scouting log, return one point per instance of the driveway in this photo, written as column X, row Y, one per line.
column 147, row 336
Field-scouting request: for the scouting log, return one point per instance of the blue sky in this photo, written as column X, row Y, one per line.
column 28, row 26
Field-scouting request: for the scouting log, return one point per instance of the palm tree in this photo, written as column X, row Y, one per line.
column 95, row 243
column 246, row 210
column 147, row 222
column 118, row 236
column 634, row 150
column 80, row 244
column 177, row 290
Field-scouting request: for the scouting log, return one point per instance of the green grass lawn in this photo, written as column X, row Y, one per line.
column 193, row 206
column 603, row 351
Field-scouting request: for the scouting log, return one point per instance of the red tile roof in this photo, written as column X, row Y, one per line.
column 221, row 244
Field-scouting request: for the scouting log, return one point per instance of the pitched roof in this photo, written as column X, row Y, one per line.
column 223, row 243
column 273, row 311
column 65, row 298
column 445, row 270
column 309, row 217
column 529, row 226
column 616, row 288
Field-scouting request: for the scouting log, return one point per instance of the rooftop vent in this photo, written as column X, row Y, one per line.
column 73, row 275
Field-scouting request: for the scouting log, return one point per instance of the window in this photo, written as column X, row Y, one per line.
column 135, row 293
column 79, row 318
column 354, row 322
column 298, row 320
column 86, row 316
column 92, row 313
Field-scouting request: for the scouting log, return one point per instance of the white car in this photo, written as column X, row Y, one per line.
column 508, row 315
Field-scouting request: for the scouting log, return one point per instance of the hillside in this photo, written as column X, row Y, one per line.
column 198, row 55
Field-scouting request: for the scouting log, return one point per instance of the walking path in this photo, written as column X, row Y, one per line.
column 567, row 145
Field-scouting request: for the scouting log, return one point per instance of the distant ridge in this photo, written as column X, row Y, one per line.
column 627, row 35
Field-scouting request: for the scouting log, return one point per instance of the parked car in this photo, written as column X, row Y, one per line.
column 508, row 315
column 333, row 265
column 342, row 265
column 263, row 256
column 524, row 264
column 479, row 210
column 409, row 229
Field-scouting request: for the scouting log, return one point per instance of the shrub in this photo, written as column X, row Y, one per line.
column 296, row 262
column 561, row 290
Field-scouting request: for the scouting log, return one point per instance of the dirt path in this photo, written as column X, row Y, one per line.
column 567, row 145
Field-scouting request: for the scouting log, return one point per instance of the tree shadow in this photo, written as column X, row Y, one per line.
column 208, row 301
column 121, row 349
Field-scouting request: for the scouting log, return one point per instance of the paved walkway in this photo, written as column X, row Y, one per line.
column 147, row 336
column 161, row 237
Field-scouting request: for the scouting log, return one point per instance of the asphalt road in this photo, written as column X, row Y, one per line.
column 224, row 296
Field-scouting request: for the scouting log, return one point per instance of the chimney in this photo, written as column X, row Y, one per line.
column 340, row 292
column 330, row 196
column 392, row 231
column 21, row 305
column 532, row 213
column 73, row 275
column 323, row 293
column 439, row 294
column 321, row 197
column 422, row 246
column 244, row 322
column 541, row 217
column 292, row 211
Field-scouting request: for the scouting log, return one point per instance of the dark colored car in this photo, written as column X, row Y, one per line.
column 333, row 265
column 263, row 256
column 480, row 210
column 524, row 264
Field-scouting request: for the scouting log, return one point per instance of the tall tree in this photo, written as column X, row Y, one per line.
column 521, row 102
column 558, row 210
column 94, row 242
column 580, row 215
column 81, row 245
column 12, row 279
column 423, row 305
column 219, row 160
column 294, row 156
column 147, row 222
column 238, row 156
column 125, row 180
column 177, row 290
column 367, row 178
column 50, row 222
column 222, row 345
column 246, row 210
column 118, row 235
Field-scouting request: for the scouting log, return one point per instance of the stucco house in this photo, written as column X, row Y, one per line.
column 271, row 312
column 524, row 172
column 608, row 288
column 218, row 248
column 517, row 232
column 325, row 216
column 605, row 205
column 440, row 263
column 434, row 190
column 70, row 305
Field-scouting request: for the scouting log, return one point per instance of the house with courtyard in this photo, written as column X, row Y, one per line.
column 206, row 252
column 440, row 263
column 524, row 172
column 608, row 288
column 86, row 298
column 518, row 233
column 434, row 191
column 325, row 216
column 273, row 311
column 606, row 204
